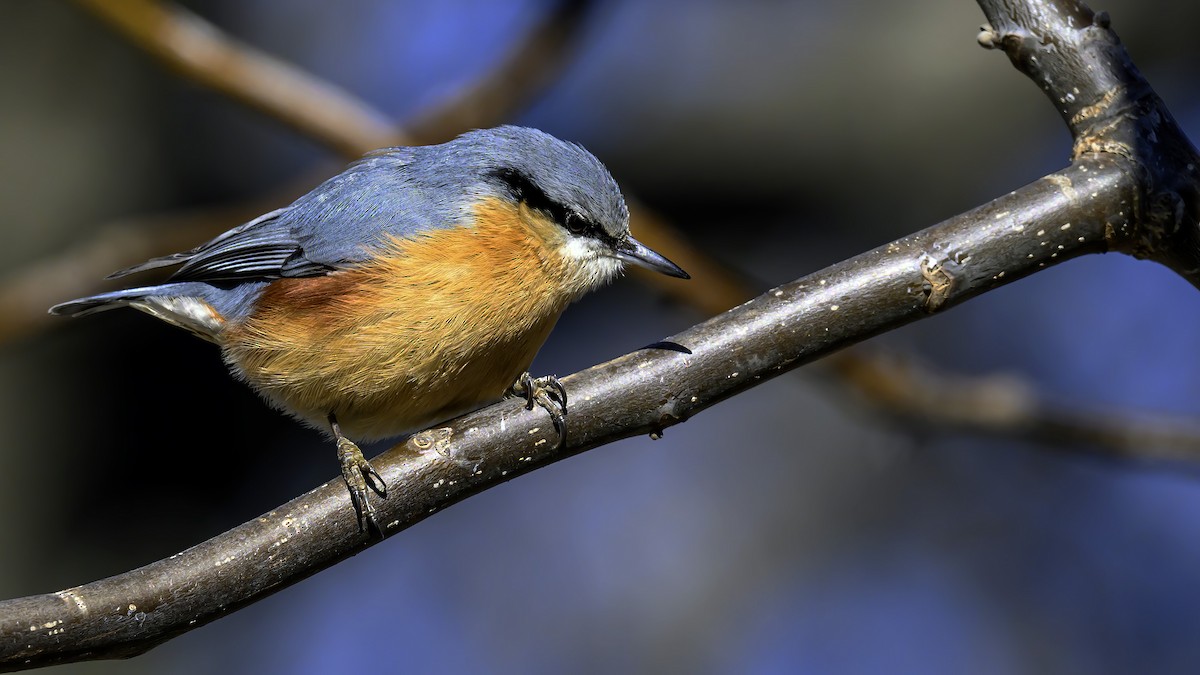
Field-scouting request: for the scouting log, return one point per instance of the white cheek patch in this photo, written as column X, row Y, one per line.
column 606, row 267
column 580, row 249
column 594, row 264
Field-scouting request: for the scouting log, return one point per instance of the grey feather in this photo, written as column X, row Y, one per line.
column 402, row 192
column 172, row 302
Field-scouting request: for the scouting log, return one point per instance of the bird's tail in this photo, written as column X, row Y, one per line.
column 169, row 302
column 102, row 302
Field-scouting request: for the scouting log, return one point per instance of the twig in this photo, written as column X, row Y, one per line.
column 27, row 292
column 712, row 289
column 530, row 66
column 914, row 394
column 198, row 50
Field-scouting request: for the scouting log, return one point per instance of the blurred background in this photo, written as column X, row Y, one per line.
column 786, row 530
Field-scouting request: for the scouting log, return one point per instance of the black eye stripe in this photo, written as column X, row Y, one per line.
column 527, row 191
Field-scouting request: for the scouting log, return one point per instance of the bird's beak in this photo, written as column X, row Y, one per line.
column 633, row 251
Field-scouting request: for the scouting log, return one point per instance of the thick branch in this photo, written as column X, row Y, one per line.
column 1056, row 218
column 1078, row 61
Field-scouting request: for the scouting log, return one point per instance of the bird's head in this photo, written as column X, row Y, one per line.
column 563, row 191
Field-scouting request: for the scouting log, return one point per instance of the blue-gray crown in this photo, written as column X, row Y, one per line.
column 560, row 177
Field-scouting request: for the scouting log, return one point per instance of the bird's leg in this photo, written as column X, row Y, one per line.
column 548, row 393
column 358, row 474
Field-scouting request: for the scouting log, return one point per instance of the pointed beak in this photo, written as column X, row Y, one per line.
column 633, row 251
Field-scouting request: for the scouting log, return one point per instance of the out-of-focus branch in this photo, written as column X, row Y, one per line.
column 713, row 288
column 199, row 51
column 26, row 292
column 530, row 67
column 914, row 394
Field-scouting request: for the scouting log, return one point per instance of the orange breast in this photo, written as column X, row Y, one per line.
column 434, row 325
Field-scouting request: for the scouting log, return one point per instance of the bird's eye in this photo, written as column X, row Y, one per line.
column 575, row 223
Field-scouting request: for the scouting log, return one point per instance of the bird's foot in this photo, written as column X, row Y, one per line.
column 359, row 475
column 548, row 393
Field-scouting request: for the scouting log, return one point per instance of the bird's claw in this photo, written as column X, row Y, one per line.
column 360, row 475
column 549, row 394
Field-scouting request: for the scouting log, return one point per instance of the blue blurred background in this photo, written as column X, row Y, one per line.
column 786, row 530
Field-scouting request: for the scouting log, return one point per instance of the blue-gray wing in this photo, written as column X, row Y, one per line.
column 255, row 249
column 333, row 227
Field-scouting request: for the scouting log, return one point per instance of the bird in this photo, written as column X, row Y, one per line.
column 415, row 285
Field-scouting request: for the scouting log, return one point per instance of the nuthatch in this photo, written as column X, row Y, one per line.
column 417, row 284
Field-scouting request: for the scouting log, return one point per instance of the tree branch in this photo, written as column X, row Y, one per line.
column 1005, row 406
column 529, row 67
column 79, row 270
column 1126, row 190
column 1078, row 61
column 198, row 50
column 642, row 392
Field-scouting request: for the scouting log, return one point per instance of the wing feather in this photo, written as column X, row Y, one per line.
column 334, row 226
